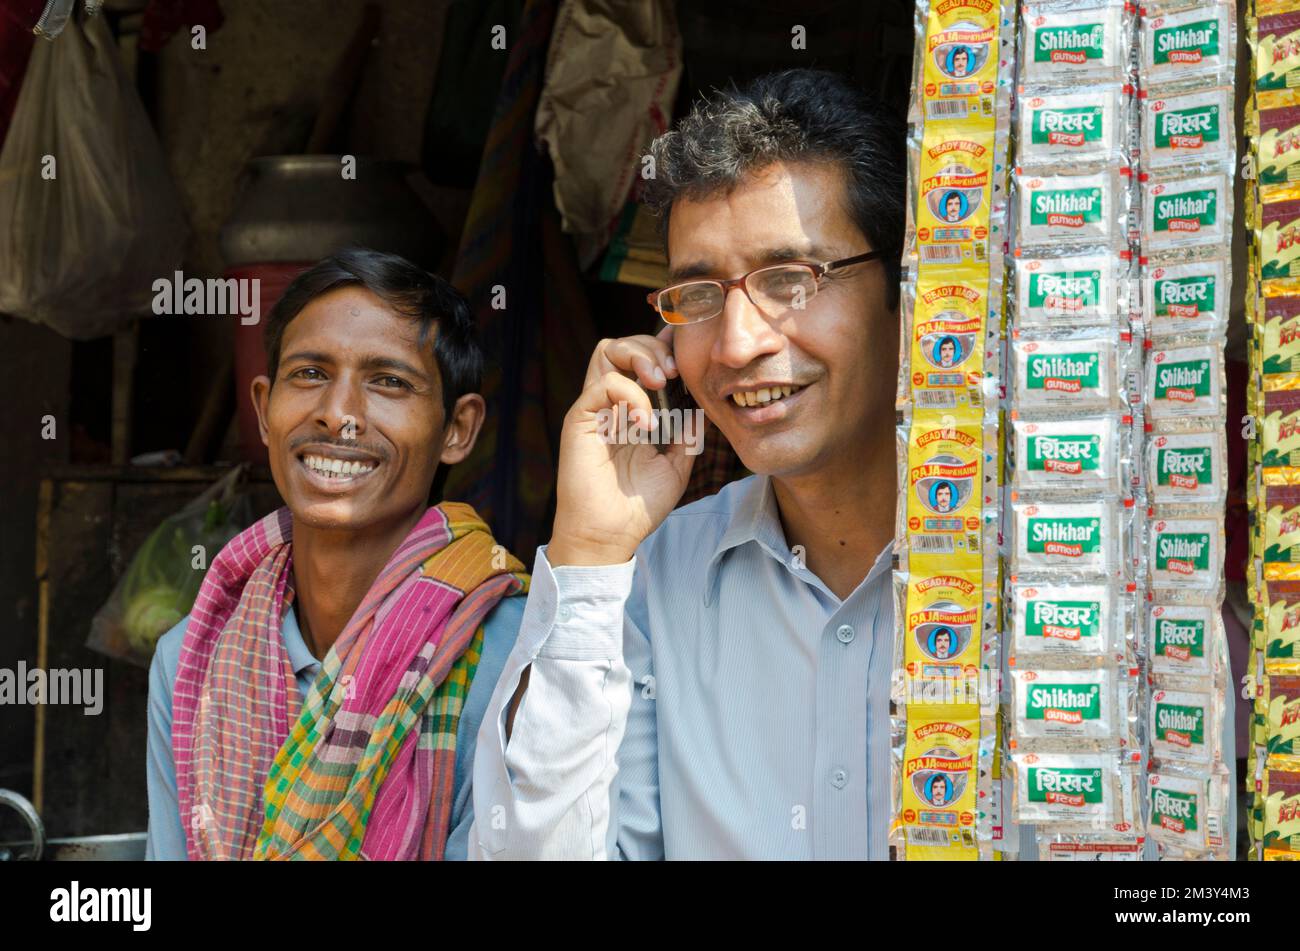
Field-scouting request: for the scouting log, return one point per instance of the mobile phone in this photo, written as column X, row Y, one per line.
column 674, row 396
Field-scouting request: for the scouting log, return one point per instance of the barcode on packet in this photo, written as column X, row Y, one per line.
column 935, row 399
column 931, row 544
column 919, row 835
column 945, row 109
column 940, row 254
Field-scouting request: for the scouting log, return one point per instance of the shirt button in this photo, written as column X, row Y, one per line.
column 840, row 778
column 845, row 633
column 563, row 612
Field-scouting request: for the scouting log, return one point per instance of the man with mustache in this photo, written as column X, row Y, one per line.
column 943, row 498
column 960, row 62
column 942, row 644
column 323, row 697
column 952, row 207
column 713, row 682
column 938, row 791
column 947, row 353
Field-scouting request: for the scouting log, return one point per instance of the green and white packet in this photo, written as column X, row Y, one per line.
column 1074, row 44
column 1182, row 637
column 1067, row 705
column 1067, row 539
column 1186, row 552
column 1184, row 382
column 1066, row 457
column 1059, row 620
column 1070, row 290
column 1186, row 298
column 1180, row 212
column 1187, row 468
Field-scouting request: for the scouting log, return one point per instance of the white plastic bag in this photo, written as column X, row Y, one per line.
column 89, row 216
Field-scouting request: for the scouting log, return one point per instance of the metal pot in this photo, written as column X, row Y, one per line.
column 124, row 847
column 300, row 208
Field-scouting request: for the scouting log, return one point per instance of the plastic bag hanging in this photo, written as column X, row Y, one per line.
column 89, row 216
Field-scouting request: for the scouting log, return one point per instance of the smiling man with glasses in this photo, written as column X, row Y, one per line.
column 712, row 682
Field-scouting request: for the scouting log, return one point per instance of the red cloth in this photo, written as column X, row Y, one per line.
column 162, row 18
column 17, row 17
column 250, row 352
column 1236, row 526
column 24, row 13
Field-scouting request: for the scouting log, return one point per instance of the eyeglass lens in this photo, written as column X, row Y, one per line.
column 773, row 290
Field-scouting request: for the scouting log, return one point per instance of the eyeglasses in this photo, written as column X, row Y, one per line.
column 773, row 289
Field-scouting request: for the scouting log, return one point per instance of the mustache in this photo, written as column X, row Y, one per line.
column 377, row 451
column 777, row 370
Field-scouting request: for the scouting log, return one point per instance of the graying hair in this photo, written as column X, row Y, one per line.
column 795, row 115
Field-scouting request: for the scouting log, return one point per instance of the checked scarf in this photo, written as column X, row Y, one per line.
column 365, row 769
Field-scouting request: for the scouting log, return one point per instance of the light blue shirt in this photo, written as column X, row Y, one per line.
column 166, row 839
column 710, row 699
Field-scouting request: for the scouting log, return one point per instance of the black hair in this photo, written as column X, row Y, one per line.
column 411, row 291
column 795, row 115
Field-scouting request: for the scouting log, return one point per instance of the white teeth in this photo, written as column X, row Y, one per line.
column 336, row 468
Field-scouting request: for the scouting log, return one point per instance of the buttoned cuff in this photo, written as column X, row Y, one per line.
column 580, row 607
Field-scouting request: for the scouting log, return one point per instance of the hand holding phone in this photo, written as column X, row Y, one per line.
column 612, row 494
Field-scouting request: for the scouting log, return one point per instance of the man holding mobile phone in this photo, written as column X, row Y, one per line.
column 713, row 682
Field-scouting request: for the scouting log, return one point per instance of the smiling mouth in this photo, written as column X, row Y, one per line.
column 334, row 469
column 763, row 395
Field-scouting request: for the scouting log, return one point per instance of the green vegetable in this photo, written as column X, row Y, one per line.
column 151, row 613
column 163, row 578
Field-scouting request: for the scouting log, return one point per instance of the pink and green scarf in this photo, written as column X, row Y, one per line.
column 366, row 768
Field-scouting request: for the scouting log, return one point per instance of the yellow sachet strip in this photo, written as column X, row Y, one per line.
column 954, row 191
column 960, row 62
column 942, row 637
column 944, row 496
column 940, row 766
column 949, row 328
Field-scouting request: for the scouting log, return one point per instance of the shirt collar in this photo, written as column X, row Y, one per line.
column 299, row 655
column 755, row 518
column 884, row 562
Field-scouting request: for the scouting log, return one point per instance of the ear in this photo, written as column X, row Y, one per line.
column 261, row 393
column 462, row 429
